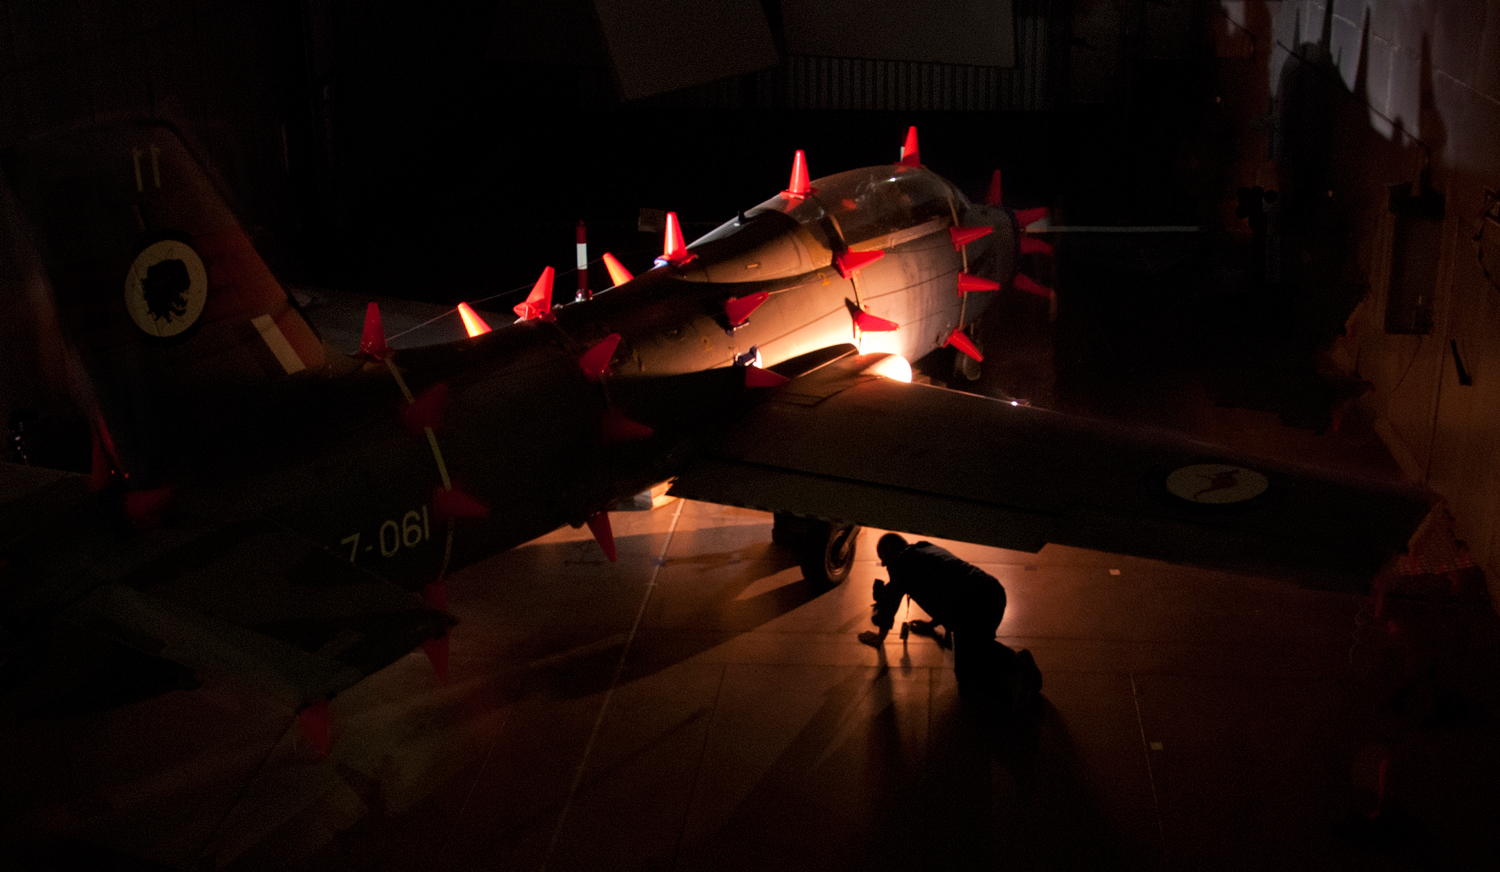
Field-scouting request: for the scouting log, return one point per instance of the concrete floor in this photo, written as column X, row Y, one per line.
column 698, row 706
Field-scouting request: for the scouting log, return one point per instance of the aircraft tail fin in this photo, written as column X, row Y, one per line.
column 166, row 307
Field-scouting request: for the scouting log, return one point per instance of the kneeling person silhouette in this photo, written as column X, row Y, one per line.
column 967, row 602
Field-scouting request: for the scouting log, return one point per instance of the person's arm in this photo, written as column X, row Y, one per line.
column 887, row 601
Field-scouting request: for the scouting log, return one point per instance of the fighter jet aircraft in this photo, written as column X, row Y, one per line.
column 267, row 507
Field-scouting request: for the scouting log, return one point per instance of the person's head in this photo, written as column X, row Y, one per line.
column 889, row 546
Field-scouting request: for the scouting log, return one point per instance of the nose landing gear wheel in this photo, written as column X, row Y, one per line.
column 824, row 549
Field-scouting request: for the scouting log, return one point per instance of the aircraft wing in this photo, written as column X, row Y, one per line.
column 96, row 613
column 844, row 444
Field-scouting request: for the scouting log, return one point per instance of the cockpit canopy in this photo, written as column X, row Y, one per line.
column 844, row 211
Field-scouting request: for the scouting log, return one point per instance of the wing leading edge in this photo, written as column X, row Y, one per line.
column 843, row 444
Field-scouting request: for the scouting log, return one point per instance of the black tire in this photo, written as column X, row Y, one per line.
column 827, row 552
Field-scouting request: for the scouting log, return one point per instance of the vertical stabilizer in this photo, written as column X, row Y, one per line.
column 157, row 288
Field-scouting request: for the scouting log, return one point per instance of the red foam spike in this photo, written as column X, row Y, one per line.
column 868, row 323
column 755, row 377
column 799, row 186
column 909, row 155
column 964, row 235
column 599, row 526
column 618, row 428
column 100, row 468
column 851, row 262
column 1027, row 217
column 739, row 308
column 450, row 504
column 992, row 196
column 1030, row 285
column 674, row 250
column 437, row 652
column 473, row 324
column 538, row 304
column 958, row 340
column 1032, row 245
column 618, row 274
column 145, row 508
column 314, row 723
column 968, row 284
column 372, row 341
column 425, row 411
column 595, row 361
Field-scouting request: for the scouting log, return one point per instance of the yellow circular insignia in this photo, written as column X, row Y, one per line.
column 165, row 288
column 1216, row 483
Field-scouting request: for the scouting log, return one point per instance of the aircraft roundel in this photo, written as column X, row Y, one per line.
column 1216, row 484
column 165, row 288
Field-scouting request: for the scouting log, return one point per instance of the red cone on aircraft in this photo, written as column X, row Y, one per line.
column 313, row 721
column 538, row 304
column 599, row 525
column 435, row 594
column 449, row 504
column 615, row 427
column 964, row 235
column 473, row 324
column 799, row 186
column 868, row 323
column 425, row 411
column 992, row 196
column 372, row 340
column 1027, row 217
column 1032, row 286
column 851, row 262
column 100, row 469
column 674, row 250
column 1032, row 245
column 755, row 377
column 958, row 340
column 968, row 284
column 738, row 309
column 595, row 361
column 618, row 274
column 909, row 156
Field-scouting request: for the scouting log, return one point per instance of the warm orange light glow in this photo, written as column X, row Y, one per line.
column 892, row 366
column 618, row 274
column 473, row 324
